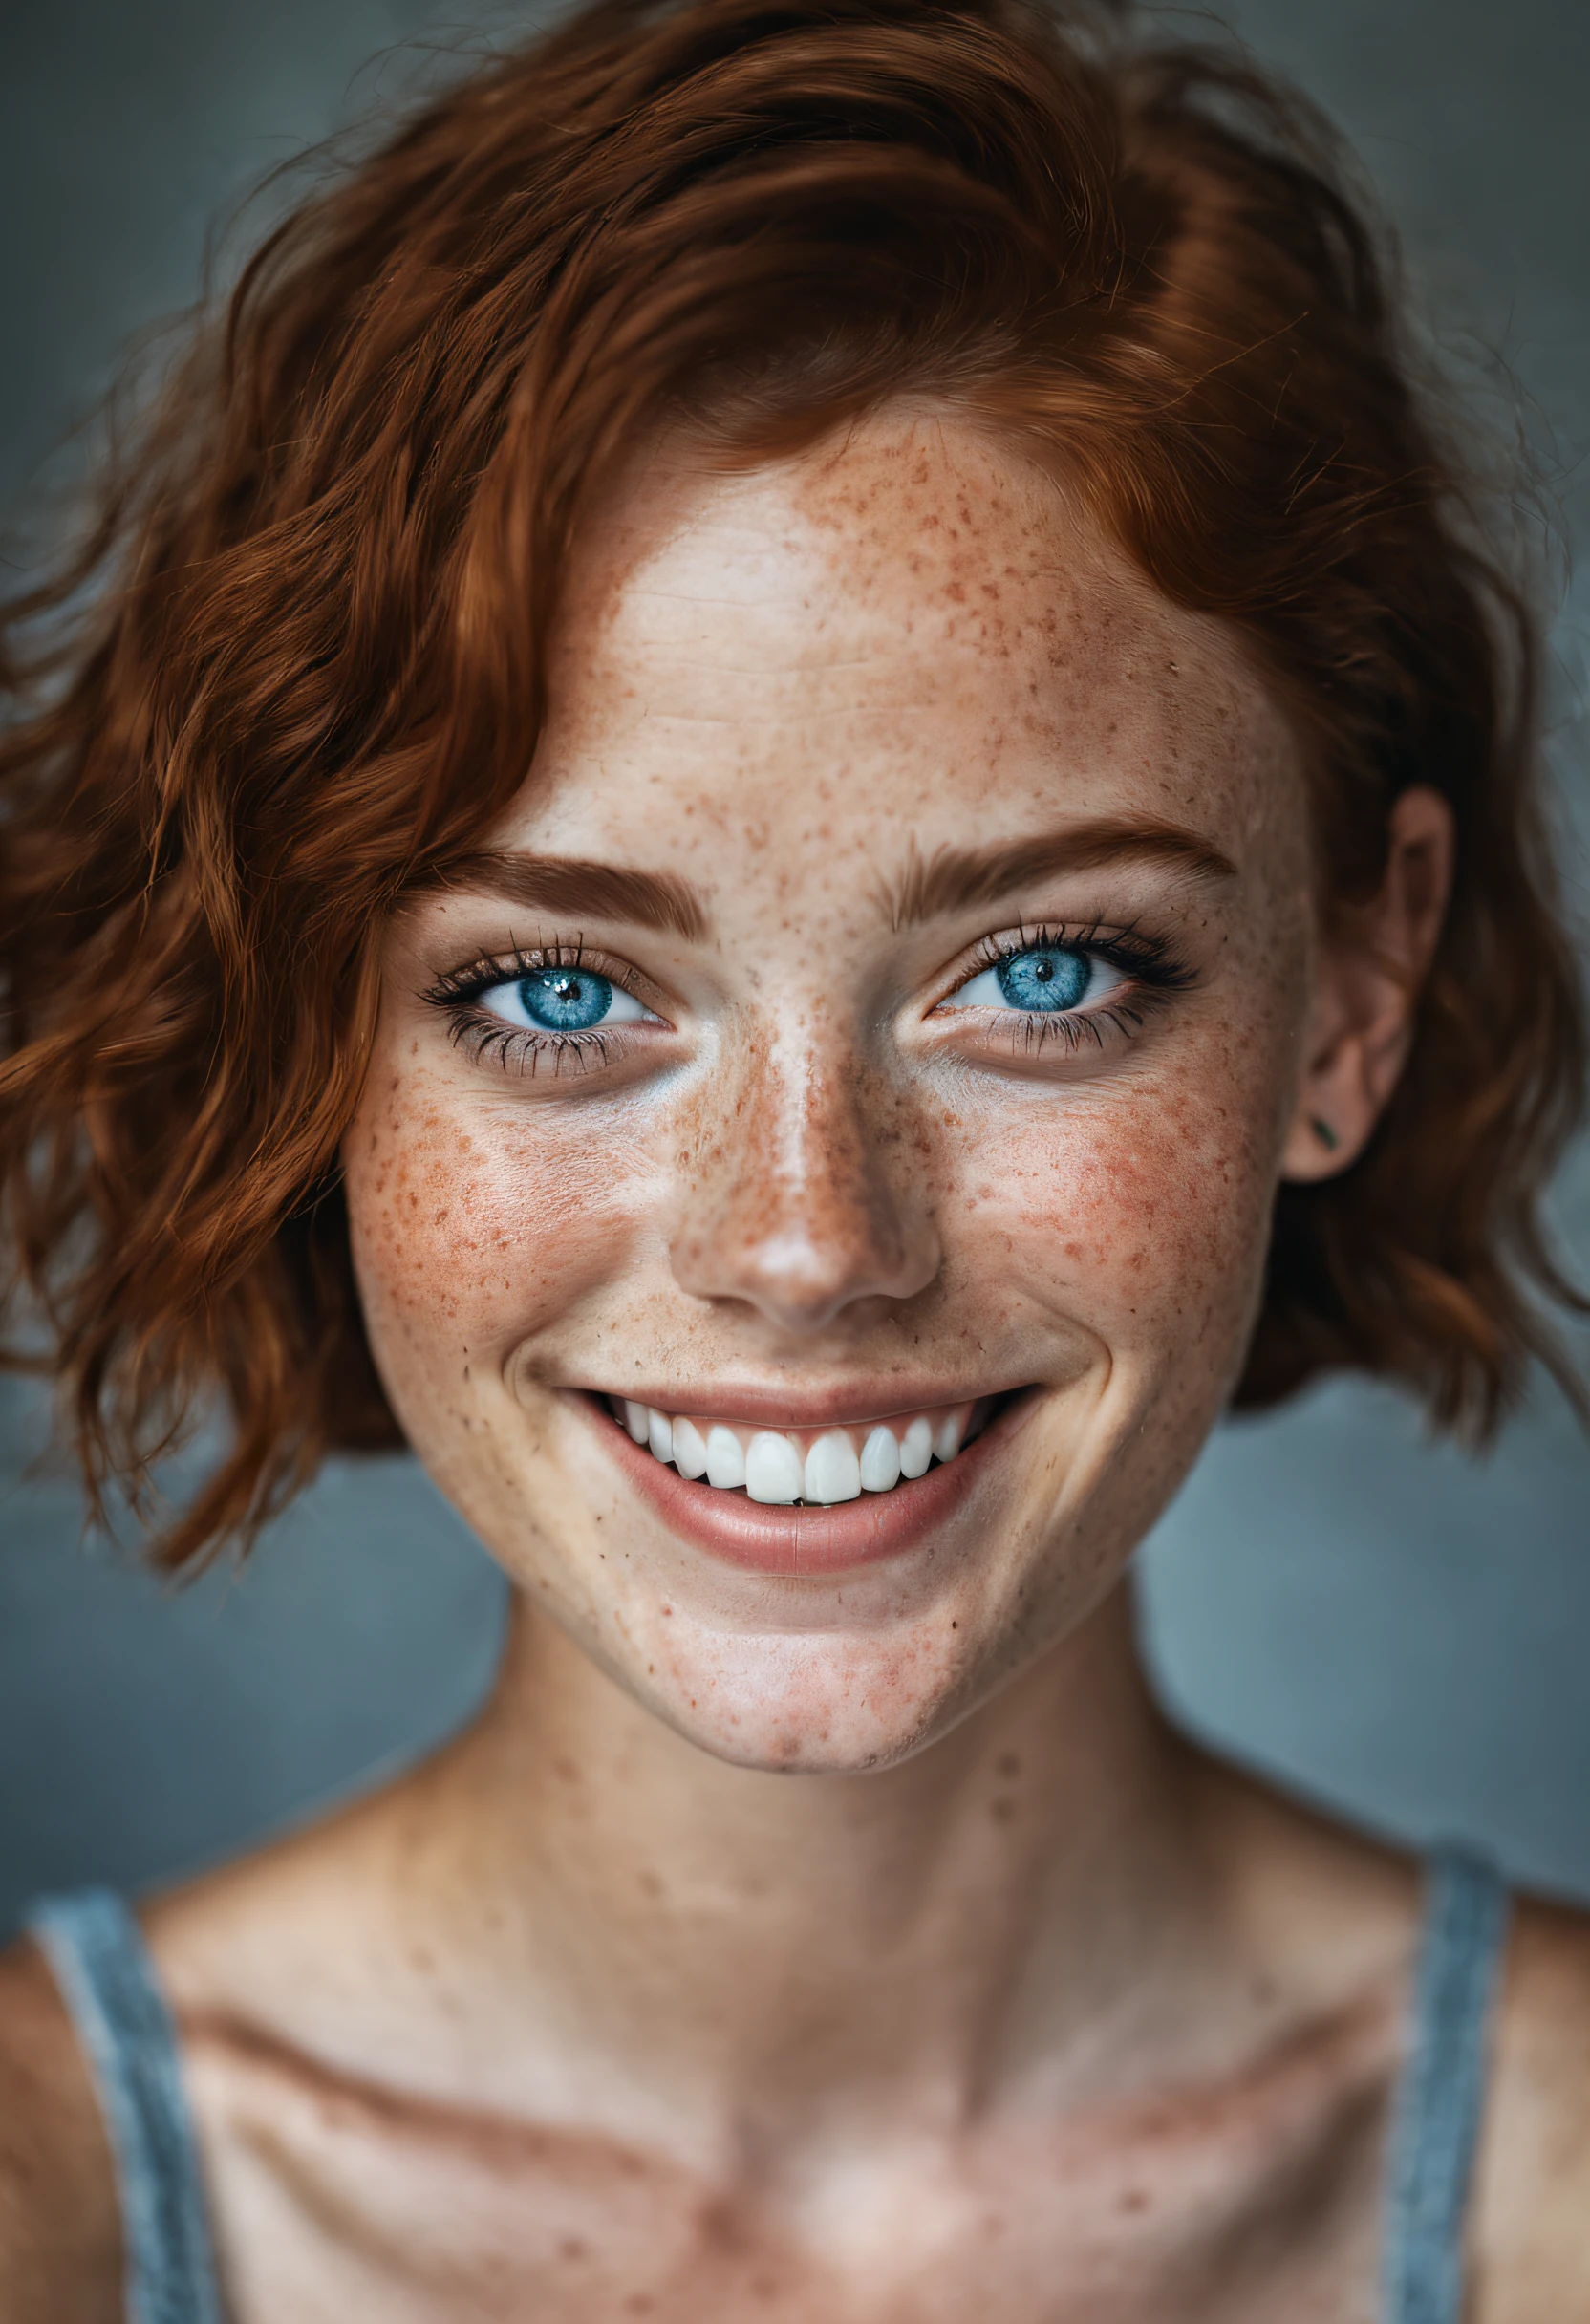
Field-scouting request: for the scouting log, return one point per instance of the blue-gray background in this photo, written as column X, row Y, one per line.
column 1383, row 1625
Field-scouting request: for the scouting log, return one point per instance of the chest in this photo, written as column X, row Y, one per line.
column 327, row 2206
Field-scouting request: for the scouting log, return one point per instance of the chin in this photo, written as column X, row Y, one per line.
column 827, row 1706
column 843, row 1676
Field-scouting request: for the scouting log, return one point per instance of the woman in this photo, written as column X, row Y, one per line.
column 793, row 809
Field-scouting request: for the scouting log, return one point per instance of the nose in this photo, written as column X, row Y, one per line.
column 801, row 1201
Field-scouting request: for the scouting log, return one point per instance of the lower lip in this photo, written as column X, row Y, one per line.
column 801, row 1542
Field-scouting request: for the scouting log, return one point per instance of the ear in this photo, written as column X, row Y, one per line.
column 1370, row 971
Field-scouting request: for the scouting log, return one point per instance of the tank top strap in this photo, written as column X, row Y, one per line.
column 1441, row 2093
column 97, row 1952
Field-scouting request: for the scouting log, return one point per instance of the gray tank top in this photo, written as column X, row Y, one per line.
column 108, row 1982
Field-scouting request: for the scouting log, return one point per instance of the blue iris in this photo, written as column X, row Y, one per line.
column 1048, row 978
column 565, row 999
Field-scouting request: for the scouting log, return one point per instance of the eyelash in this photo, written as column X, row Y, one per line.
column 514, row 1047
column 1155, row 971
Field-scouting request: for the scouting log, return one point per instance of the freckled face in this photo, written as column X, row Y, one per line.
column 942, row 1056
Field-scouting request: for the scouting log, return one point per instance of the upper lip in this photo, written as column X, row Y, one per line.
column 838, row 1405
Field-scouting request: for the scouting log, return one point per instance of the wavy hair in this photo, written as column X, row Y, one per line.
column 298, row 666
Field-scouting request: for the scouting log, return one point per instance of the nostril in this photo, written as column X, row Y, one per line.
column 801, row 1280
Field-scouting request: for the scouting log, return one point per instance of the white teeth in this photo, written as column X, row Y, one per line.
column 833, row 1471
column 880, row 1461
column 917, row 1447
column 782, row 1466
column 772, row 1468
column 726, row 1460
column 690, row 1453
column 946, row 1437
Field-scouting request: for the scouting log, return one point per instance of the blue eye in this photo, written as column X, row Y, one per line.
column 1043, row 980
column 1048, row 979
column 563, row 1001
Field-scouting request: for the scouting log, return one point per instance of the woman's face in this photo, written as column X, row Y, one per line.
column 875, row 1027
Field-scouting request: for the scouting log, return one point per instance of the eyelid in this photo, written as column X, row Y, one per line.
column 1141, row 958
column 460, row 987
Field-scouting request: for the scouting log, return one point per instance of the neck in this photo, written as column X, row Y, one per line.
column 741, row 1940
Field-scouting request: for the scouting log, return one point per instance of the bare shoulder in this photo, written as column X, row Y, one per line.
column 60, row 2250
column 1532, row 2192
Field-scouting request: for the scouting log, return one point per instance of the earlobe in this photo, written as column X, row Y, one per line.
column 1353, row 1061
column 1372, row 968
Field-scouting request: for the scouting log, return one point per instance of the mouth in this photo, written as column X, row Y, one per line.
column 805, row 1500
column 818, row 1467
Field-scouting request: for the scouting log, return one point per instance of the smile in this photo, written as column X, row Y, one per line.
column 818, row 1467
column 806, row 1500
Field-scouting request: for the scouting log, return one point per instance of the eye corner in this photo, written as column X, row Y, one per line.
column 964, row 995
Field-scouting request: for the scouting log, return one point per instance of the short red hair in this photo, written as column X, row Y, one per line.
column 311, row 668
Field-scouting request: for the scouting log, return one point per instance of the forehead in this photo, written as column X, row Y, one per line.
column 909, row 612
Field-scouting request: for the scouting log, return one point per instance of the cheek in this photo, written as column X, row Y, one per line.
column 1140, row 1211
column 473, row 1223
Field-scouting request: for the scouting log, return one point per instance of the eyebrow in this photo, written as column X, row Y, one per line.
column 954, row 879
column 608, row 891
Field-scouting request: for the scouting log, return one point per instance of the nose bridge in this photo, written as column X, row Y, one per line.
column 800, row 1203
